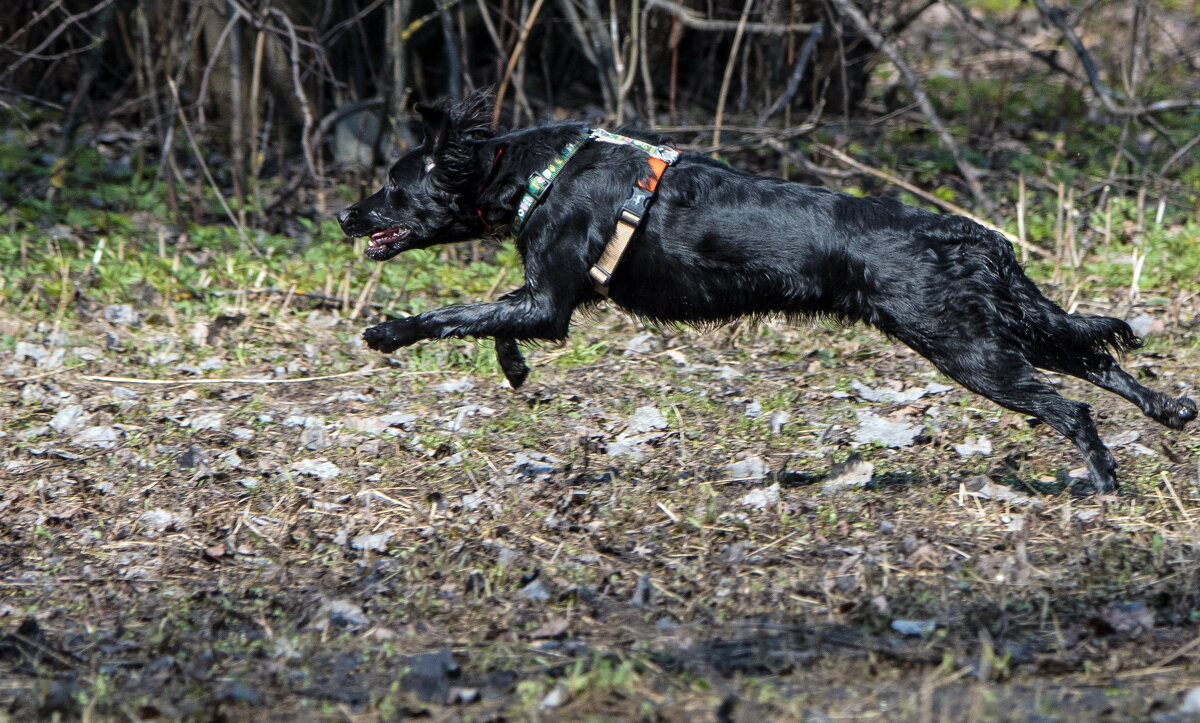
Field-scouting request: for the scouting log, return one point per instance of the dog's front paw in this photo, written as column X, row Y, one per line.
column 391, row 335
column 512, row 362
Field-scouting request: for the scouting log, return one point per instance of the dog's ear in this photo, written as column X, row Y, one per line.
column 436, row 120
column 449, row 121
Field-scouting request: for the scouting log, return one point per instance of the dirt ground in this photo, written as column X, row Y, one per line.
column 764, row 521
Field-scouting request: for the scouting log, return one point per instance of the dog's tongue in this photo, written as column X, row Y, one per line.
column 388, row 236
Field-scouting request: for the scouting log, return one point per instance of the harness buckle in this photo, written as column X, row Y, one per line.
column 635, row 206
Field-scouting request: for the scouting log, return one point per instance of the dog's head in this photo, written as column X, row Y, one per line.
column 428, row 192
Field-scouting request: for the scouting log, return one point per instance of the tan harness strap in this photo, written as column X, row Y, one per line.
column 627, row 222
column 602, row 270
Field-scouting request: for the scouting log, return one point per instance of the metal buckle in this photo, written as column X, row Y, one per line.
column 666, row 154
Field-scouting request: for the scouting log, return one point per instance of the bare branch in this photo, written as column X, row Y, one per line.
column 70, row 20
column 940, row 203
column 850, row 10
column 516, row 55
column 694, row 20
column 806, row 50
column 298, row 90
column 733, row 50
column 1107, row 96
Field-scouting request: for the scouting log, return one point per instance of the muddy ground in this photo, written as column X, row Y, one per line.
column 764, row 521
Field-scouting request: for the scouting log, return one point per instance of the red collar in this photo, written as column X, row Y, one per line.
column 479, row 211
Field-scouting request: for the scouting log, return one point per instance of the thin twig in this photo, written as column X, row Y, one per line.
column 733, row 51
column 33, row 21
column 25, row 57
column 33, row 377
column 365, row 371
column 1187, row 147
column 213, row 55
column 1103, row 92
column 512, row 60
column 298, row 91
column 850, row 10
column 951, row 207
column 187, row 129
column 691, row 19
column 806, row 50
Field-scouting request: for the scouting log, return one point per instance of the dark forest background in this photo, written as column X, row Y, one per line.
column 274, row 95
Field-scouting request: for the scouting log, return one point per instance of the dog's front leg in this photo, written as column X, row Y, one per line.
column 518, row 315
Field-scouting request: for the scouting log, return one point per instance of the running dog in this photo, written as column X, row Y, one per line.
column 709, row 243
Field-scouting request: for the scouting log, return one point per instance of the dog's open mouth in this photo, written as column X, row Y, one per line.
column 379, row 239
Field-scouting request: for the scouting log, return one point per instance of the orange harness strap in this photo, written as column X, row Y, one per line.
column 628, row 219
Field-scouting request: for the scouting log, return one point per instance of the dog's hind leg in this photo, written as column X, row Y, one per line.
column 1007, row 379
column 1168, row 411
column 1103, row 371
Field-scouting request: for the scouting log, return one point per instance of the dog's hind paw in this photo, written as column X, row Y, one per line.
column 1185, row 411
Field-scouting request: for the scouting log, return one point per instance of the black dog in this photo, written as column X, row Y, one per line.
column 715, row 243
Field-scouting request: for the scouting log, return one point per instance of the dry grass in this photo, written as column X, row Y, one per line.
column 192, row 566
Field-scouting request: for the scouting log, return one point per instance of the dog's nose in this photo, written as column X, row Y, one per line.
column 344, row 217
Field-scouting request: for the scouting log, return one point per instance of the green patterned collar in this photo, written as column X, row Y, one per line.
column 541, row 180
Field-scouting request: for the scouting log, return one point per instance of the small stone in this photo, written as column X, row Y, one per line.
column 761, row 499
column 1191, row 703
column 205, row 421
column 851, row 474
column 643, row 343
column 314, row 436
column 1145, row 325
column 456, row 386
column 555, row 698
column 645, row 419
column 644, row 592
column 1129, row 436
column 320, row 468
column 374, row 543
column 914, row 627
column 120, row 314
column 104, row 437
column 159, row 520
column 69, row 419
column 875, row 429
column 533, row 464
column 633, row 446
column 985, row 489
column 34, row 352
column 751, row 469
column 535, row 591
column 974, row 445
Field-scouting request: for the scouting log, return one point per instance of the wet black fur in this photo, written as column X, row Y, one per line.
column 717, row 244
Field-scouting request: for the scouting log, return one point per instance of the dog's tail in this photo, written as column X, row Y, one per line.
column 1072, row 334
column 1086, row 332
column 1034, row 319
